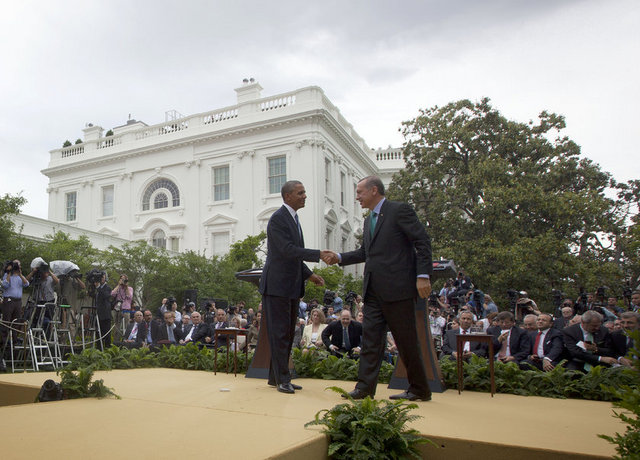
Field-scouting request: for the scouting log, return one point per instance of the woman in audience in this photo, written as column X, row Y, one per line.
column 312, row 334
column 254, row 331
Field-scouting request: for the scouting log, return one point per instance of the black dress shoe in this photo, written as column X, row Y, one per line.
column 286, row 388
column 410, row 396
column 295, row 387
column 357, row 394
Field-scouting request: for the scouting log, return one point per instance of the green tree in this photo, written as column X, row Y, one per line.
column 513, row 203
column 9, row 206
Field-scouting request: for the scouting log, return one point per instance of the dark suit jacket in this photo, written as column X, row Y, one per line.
column 201, row 331
column 553, row 346
column 103, row 302
column 449, row 344
column 573, row 334
column 140, row 336
column 284, row 271
column 619, row 344
column 159, row 332
column 519, row 343
column 398, row 251
column 560, row 323
column 332, row 334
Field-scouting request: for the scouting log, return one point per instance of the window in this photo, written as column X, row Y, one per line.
column 160, row 201
column 107, row 201
column 71, row 201
column 220, row 243
column 327, row 177
column 170, row 194
column 343, row 187
column 159, row 239
column 277, row 173
column 221, row 183
column 174, row 243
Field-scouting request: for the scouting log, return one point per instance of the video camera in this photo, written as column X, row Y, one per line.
column 350, row 298
column 94, row 275
column 41, row 267
column 329, row 297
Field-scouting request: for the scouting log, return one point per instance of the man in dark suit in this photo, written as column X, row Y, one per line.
column 196, row 331
column 343, row 336
column 547, row 345
column 220, row 322
column 511, row 342
column 449, row 344
column 103, row 309
column 588, row 343
column 282, row 281
column 167, row 332
column 397, row 252
column 621, row 341
column 135, row 333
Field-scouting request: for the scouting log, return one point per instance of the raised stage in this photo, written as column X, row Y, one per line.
column 167, row 413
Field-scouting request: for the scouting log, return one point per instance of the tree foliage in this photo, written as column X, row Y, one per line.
column 514, row 203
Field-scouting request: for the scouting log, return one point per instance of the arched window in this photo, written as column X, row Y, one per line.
column 169, row 194
column 159, row 239
column 160, row 201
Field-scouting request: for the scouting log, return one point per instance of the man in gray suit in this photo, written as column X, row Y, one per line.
column 397, row 252
column 282, row 281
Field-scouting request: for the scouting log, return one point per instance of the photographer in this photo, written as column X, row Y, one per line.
column 41, row 276
column 524, row 307
column 123, row 294
column 69, row 287
column 103, row 308
column 12, row 284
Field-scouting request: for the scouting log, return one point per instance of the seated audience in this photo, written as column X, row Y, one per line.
column 513, row 344
column 312, row 334
column 196, row 331
column 465, row 320
column 166, row 332
column 567, row 314
column 547, row 345
column 529, row 323
column 220, row 323
column 343, row 337
column 589, row 343
column 254, row 331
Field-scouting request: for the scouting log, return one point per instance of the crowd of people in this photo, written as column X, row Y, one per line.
column 584, row 332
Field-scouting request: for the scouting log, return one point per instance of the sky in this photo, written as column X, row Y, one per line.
column 64, row 64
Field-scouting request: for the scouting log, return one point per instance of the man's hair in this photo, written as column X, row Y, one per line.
column 629, row 315
column 288, row 187
column 505, row 315
column 530, row 315
column 464, row 312
column 374, row 181
column 545, row 314
column 590, row 315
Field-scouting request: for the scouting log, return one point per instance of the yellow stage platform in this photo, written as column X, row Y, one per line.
column 169, row 414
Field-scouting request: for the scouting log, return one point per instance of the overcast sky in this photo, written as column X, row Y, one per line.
column 66, row 63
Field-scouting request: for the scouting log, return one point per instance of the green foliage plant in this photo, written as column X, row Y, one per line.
column 369, row 428
column 628, row 443
column 78, row 384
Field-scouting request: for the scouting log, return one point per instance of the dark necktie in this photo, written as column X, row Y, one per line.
column 372, row 223
column 345, row 339
column 298, row 224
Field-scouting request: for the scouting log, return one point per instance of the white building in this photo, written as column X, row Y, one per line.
column 204, row 181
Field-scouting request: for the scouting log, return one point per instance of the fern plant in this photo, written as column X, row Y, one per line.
column 367, row 429
column 79, row 385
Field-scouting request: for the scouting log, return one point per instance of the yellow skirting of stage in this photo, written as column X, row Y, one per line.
column 168, row 414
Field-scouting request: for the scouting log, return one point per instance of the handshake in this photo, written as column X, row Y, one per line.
column 329, row 257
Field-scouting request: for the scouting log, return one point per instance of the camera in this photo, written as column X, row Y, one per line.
column 94, row 275
column 329, row 297
column 350, row 298
column 433, row 300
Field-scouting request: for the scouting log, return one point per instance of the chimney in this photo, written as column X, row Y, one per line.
column 92, row 133
column 249, row 90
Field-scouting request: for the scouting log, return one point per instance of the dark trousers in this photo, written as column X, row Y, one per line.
column 10, row 309
column 281, row 314
column 401, row 318
column 105, row 326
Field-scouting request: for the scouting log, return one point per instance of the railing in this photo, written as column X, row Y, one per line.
column 305, row 98
column 72, row 151
column 392, row 155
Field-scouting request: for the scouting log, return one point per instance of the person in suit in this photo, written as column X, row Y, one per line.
column 103, row 309
column 167, row 332
column 566, row 315
column 621, row 341
column 512, row 343
column 220, row 322
column 397, row 254
column 588, row 343
column 135, row 333
column 547, row 346
column 282, row 281
column 194, row 332
column 343, row 337
column 449, row 343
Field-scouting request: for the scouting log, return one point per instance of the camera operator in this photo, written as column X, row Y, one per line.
column 524, row 307
column 123, row 294
column 103, row 309
column 43, row 281
column 12, row 284
column 437, row 324
column 69, row 287
column 488, row 306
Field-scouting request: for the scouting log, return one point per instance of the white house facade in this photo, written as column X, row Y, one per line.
column 204, row 181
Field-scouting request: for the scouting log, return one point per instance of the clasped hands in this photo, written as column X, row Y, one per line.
column 329, row 257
